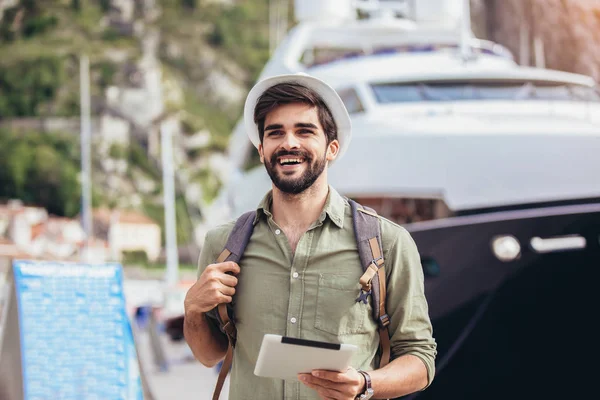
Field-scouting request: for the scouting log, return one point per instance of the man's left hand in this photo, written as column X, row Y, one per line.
column 335, row 385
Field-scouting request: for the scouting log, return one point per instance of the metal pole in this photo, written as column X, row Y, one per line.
column 169, row 200
column 86, row 159
column 524, row 52
column 272, row 32
column 465, row 31
column 538, row 51
column 284, row 20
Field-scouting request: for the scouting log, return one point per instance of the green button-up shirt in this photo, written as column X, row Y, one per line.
column 312, row 295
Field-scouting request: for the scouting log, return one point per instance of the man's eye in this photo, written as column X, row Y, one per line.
column 305, row 131
column 274, row 133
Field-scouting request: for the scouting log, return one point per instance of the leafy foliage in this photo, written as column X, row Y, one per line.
column 105, row 5
column 182, row 219
column 137, row 156
column 191, row 4
column 40, row 43
column 40, row 169
column 135, row 257
column 27, row 19
column 28, row 84
column 241, row 32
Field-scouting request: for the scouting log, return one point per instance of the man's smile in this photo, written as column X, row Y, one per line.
column 290, row 162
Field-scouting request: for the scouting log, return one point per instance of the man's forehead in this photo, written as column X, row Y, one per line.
column 292, row 113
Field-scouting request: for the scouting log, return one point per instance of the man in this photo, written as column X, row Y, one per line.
column 301, row 268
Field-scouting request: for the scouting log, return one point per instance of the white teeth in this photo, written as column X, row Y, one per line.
column 290, row 160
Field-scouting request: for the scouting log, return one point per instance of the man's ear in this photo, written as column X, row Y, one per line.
column 333, row 149
column 260, row 153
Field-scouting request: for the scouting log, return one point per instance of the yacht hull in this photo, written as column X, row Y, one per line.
column 521, row 329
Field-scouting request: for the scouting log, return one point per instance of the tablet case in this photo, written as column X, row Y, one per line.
column 285, row 357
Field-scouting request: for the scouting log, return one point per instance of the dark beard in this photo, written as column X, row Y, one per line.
column 297, row 185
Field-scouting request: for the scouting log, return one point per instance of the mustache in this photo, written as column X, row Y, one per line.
column 294, row 153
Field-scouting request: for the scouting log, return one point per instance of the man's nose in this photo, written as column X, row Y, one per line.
column 290, row 141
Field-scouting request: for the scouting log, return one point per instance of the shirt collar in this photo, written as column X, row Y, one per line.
column 335, row 207
column 264, row 207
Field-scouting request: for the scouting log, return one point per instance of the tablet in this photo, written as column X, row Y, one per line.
column 285, row 357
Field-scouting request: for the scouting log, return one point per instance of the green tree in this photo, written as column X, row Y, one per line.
column 40, row 170
column 105, row 5
column 26, row 85
column 192, row 4
column 76, row 5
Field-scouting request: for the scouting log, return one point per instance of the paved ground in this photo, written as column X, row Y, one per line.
column 185, row 379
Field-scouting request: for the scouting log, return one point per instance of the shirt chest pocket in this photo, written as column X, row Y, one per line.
column 337, row 310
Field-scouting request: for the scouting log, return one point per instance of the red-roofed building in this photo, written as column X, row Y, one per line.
column 127, row 231
column 31, row 232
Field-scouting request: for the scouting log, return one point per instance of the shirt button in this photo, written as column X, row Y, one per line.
column 293, row 320
column 277, row 231
column 295, row 274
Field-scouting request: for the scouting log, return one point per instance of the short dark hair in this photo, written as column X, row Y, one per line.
column 292, row 92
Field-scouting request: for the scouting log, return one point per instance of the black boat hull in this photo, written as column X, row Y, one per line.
column 523, row 329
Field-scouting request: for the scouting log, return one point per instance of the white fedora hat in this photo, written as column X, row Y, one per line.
column 327, row 93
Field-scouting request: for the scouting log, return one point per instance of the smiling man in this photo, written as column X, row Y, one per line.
column 300, row 270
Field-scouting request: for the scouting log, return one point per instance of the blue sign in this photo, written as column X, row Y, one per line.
column 76, row 340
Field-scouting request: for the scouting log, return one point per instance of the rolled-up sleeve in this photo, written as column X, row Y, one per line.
column 214, row 242
column 410, row 327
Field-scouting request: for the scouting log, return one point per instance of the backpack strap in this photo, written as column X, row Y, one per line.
column 234, row 249
column 373, row 281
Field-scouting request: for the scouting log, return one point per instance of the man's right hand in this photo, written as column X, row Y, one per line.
column 215, row 286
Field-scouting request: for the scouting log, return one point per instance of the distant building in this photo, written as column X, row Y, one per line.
column 127, row 231
column 29, row 232
column 96, row 250
column 21, row 220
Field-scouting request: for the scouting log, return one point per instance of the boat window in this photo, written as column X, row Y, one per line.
column 322, row 55
column 351, row 100
column 454, row 90
column 394, row 94
column 553, row 93
column 583, row 93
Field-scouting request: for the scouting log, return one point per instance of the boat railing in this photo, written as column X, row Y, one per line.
column 321, row 56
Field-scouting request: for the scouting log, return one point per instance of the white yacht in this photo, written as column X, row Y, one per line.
column 493, row 167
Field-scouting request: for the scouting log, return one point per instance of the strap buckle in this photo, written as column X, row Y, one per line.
column 384, row 320
column 363, row 296
column 375, row 260
column 230, row 331
column 370, row 272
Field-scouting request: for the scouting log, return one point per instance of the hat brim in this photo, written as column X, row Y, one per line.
column 327, row 93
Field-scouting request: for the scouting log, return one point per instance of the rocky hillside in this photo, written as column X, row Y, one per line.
column 177, row 65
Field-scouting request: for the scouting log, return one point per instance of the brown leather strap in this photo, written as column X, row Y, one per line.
column 383, row 318
column 367, row 277
column 373, row 268
column 231, row 332
column 223, row 256
column 384, row 342
column 384, row 336
column 223, row 373
column 375, row 248
column 228, row 325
